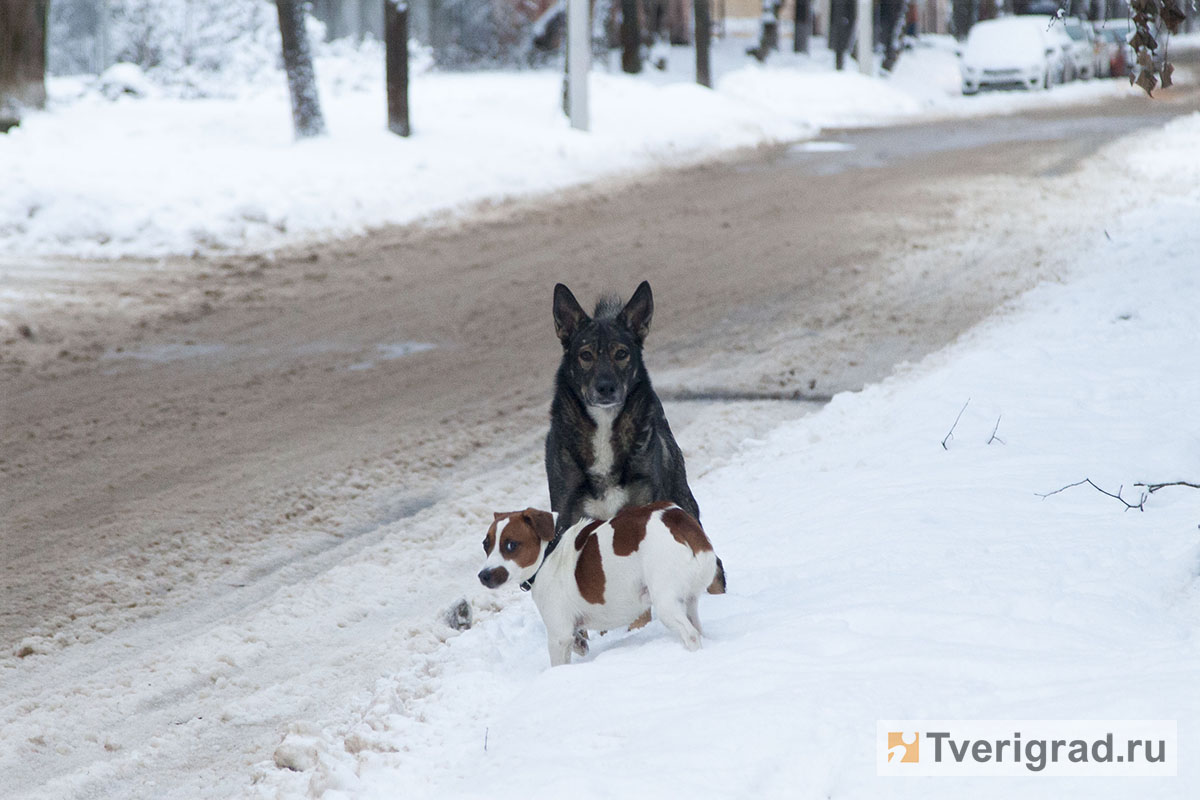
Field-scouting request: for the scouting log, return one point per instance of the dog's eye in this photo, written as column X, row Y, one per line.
column 586, row 357
column 485, row 547
column 620, row 354
column 510, row 546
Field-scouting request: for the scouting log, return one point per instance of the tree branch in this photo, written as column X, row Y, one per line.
column 1140, row 505
column 1154, row 487
column 950, row 434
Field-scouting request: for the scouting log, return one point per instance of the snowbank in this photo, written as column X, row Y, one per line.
column 162, row 175
column 874, row 574
column 172, row 176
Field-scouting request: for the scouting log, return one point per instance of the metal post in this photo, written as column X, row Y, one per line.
column 865, row 52
column 103, row 46
column 579, row 61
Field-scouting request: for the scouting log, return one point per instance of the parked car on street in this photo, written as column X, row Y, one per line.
column 1083, row 47
column 1012, row 53
column 1119, row 32
column 1066, row 45
column 1110, row 50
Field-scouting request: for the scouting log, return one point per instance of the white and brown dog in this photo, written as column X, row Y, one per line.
column 606, row 574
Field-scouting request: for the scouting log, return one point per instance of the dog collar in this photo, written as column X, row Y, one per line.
column 528, row 584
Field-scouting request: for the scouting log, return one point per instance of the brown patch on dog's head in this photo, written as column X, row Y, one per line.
column 629, row 527
column 542, row 522
column 686, row 530
column 585, row 532
column 589, row 572
column 521, row 535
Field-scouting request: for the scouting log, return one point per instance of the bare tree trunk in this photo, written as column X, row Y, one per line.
column 677, row 26
column 842, row 17
column 297, row 62
column 631, row 37
column 963, row 14
column 802, row 27
column 395, row 27
column 23, row 25
column 701, row 12
column 892, row 15
column 768, row 38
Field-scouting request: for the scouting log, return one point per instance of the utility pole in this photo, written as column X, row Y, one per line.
column 866, row 37
column 579, row 61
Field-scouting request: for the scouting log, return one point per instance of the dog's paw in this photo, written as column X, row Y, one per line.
column 458, row 616
column 580, row 644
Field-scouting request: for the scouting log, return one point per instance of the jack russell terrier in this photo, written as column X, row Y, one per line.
column 602, row 575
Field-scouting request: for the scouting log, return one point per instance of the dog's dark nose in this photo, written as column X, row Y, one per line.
column 606, row 388
column 491, row 578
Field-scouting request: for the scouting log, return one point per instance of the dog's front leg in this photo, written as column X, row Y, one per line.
column 560, row 647
column 572, row 508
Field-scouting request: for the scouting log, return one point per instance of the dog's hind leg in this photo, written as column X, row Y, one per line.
column 693, row 613
column 674, row 614
column 579, row 642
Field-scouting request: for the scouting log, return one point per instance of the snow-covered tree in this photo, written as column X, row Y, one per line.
column 194, row 48
column 22, row 58
column 297, row 62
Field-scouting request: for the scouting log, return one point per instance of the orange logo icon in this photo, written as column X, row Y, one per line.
column 903, row 747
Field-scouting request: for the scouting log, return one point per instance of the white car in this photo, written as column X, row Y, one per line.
column 1083, row 47
column 1011, row 53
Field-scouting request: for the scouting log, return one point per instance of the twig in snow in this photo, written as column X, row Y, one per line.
column 994, row 437
column 1154, row 487
column 950, row 434
column 1140, row 505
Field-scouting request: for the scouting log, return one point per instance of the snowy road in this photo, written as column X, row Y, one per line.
column 188, row 464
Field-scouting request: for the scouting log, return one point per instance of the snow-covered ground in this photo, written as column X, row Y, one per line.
column 158, row 175
column 874, row 574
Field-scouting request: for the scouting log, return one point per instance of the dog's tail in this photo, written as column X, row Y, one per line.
column 718, row 582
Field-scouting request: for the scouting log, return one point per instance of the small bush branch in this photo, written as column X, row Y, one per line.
column 1154, row 487
column 1140, row 505
column 994, row 437
column 950, row 434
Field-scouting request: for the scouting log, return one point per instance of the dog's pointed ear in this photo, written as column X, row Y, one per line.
column 637, row 312
column 568, row 314
column 542, row 522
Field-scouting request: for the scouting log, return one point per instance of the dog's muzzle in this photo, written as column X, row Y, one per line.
column 491, row 578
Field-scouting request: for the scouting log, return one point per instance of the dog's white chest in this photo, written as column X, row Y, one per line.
column 612, row 496
column 602, row 447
